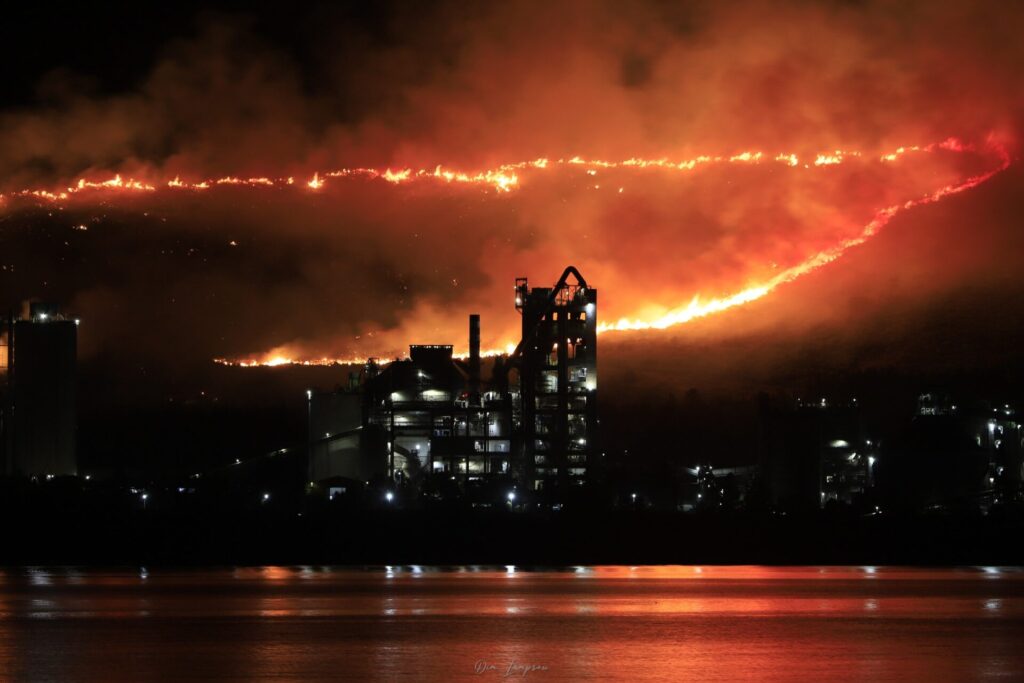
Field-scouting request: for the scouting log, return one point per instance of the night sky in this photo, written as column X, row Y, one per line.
column 168, row 279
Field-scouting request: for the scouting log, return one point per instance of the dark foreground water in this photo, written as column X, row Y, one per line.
column 483, row 624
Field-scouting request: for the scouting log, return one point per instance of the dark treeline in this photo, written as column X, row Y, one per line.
column 63, row 522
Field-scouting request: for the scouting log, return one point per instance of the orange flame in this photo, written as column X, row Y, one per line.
column 503, row 178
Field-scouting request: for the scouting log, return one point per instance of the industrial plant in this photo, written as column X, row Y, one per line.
column 529, row 422
column 521, row 429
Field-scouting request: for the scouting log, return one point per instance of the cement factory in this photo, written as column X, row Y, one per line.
column 522, row 430
column 531, row 422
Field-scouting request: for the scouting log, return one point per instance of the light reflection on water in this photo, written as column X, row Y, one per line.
column 440, row 623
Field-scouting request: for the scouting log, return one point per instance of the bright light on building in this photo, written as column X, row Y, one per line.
column 511, row 496
column 389, row 496
column 871, row 461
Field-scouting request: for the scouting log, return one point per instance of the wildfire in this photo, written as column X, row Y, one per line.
column 507, row 177
column 698, row 307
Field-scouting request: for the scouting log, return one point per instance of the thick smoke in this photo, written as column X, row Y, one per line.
column 364, row 267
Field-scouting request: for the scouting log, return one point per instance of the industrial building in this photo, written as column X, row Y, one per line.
column 955, row 455
column 814, row 454
column 530, row 422
column 38, row 416
column 558, row 379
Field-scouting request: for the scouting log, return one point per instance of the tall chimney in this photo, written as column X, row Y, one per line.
column 474, row 355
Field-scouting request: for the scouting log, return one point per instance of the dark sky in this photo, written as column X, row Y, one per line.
column 364, row 267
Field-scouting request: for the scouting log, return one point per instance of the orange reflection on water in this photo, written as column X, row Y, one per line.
column 424, row 623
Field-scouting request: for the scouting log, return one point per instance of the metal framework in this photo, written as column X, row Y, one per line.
column 557, row 361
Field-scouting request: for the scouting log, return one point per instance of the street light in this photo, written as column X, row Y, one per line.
column 389, row 496
column 511, row 496
column 145, row 497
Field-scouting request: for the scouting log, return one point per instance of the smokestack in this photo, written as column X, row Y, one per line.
column 474, row 355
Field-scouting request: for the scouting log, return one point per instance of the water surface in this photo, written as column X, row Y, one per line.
column 496, row 623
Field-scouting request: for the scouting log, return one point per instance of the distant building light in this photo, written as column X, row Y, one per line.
column 389, row 496
column 840, row 443
column 43, row 316
column 309, row 394
column 871, row 461
column 266, row 497
column 511, row 496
